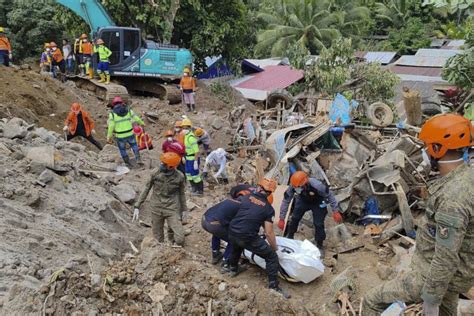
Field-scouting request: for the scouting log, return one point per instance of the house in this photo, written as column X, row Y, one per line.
column 216, row 67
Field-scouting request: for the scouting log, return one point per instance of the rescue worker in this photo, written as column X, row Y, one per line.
column 203, row 139
column 192, row 158
column 45, row 61
column 103, row 66
column 172, row 145
column 168, row 200
column 442, row 265
column 57, row 60
column 120, row 124
column 78, row 54
column 178, row 132
column 80, row 123
column 86, row 53
column 143, row 139
column 188, row 86
column 68, row 55
column 216, row 160
column 216, row 222
column 311, row 195
column 5, row 48
column 255, row 211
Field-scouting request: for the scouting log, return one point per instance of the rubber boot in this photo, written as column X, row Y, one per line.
column 127, row 162
column 193, row 187
column 102, row 77
column 320, row 246
column 107, row 79
column 91, row 73
column 275, row 287
column 193, row 107
column 235, row 271
column 216, row 257
column 189, row 107
column 200, row 188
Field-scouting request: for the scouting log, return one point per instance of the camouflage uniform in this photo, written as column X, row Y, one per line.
column 168, row 202
column 443, row 263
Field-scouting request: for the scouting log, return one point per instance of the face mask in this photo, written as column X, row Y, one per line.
column 177, row 130
column 170, row 139
column 185, row 74
column 185, row 130
column 298, row 190
column 48, row 49
column 54, row 48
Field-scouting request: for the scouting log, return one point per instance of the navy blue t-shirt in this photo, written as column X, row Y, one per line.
column 223, row 211
column 252, row 214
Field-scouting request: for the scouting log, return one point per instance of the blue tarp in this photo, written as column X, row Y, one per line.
column 216, row 67
column 341, row 109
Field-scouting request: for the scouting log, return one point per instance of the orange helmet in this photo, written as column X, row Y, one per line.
column 199, row 132
column 53, row 44
column 268, row 185
column 99, row 41
column 446, row 132
column 170, row 159
column 169, row 133
column 178, row 123
column 84, row 36
column 75, row 107
column 298, row 179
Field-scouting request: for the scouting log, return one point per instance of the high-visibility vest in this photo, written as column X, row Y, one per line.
column 123, row 125
column 104, row 53
column 191, row 145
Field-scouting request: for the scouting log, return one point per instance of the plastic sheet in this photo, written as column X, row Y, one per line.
column 340, row 110
column 299, row 260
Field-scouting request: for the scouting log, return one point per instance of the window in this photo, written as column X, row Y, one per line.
column 112, row 41
column 131, row 42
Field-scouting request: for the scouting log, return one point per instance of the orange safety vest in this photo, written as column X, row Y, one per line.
column 57, row 55
column 188, row 83
column 142, row 141
column 5, row 44
column 86, row 48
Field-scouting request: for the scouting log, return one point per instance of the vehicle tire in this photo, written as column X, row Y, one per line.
column 380, row 114
column 430, row 108
column 280, row 95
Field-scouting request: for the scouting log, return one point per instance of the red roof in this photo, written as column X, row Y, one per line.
column 273, row 77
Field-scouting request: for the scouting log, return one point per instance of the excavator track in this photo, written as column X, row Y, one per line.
column 154, row 88
column 103, row 91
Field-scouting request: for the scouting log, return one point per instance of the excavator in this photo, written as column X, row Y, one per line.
column 136, row 65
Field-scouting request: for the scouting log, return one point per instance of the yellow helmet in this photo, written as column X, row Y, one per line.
column 199, row 132
column 2, row 30
column 186, row 122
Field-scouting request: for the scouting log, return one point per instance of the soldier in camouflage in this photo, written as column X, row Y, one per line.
column 443, row 263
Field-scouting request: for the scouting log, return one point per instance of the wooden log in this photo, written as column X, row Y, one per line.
column 412, row 104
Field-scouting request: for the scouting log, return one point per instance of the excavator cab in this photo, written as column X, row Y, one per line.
column 125, row 44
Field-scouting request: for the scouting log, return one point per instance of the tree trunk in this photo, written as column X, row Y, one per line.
column 412, row 104
column 169, row 19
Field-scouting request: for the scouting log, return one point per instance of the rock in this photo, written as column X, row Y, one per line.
column 383, row 271
column 60, row 144
column 222, row 286
column 217, row 124
column 43, row 155
column 124, row 192
column 17, row 224
column 36, row 167
column 46, row 176
column 4, row 150
column 241, row 307
column 45, row 135
column 95, row 280
column 133, row 292
column 36, row 86
column 15, row 128
column 76, row 147
column 25, row 67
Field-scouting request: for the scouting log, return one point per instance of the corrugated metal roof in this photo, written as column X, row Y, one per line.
column 262, row 63
column 422, row 74
column 383, row 58
column 439, row 53
column 454, row 44
column 257, row 86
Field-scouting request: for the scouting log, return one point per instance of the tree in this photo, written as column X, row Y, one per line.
column 378, row 83
column 297, row 55
column 459, row 69
column 408, row 39
column 31, row 24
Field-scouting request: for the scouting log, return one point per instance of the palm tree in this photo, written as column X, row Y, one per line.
column 311, row 23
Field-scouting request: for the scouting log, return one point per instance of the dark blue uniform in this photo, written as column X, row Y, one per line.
column 243, row 233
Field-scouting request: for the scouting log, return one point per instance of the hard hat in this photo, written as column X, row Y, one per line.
column 268, row 185
column 446, row 132
column 186, row 122
column 170, row 159
column 116, row 100
column 75, row 107
column 178, row 124
column 199, row 132
column 270, row 198
column 84, row 36
column 53, row 44
column 2, row 30
column 99, row 41
column 137, row 130
column 46, row 45
column 298, row 179
column 169, row 133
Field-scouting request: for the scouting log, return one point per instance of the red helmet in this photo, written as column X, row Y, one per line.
column 137, row 130
column 76, row 107
column 117, row 99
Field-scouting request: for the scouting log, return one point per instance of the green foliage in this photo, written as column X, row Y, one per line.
column 30, row 24
column 459, row 69
column 378, row 83
column 332, row 68
column 223, row 91
column 311, row 23
column 297, row 55
column 409, row 38
column 452, row 30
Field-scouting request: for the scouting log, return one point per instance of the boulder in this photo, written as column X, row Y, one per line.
column 124, row 192
column 46, row 176
column 43, row 155
column 217, row 124
column 15, row 128
column 45, row 135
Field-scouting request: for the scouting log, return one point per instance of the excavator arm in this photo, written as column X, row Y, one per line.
column 91, row 11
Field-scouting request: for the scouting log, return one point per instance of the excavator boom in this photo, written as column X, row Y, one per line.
column 91, row 11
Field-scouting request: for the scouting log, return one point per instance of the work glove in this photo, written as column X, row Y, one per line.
column 93, row 131
column 196, row 165
column 204, row 175
column 66, row 128
column 281, row 224
column 109, row 140
column 136, row 212
column 337, row 217
column 10, row 56
column 430, row 309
